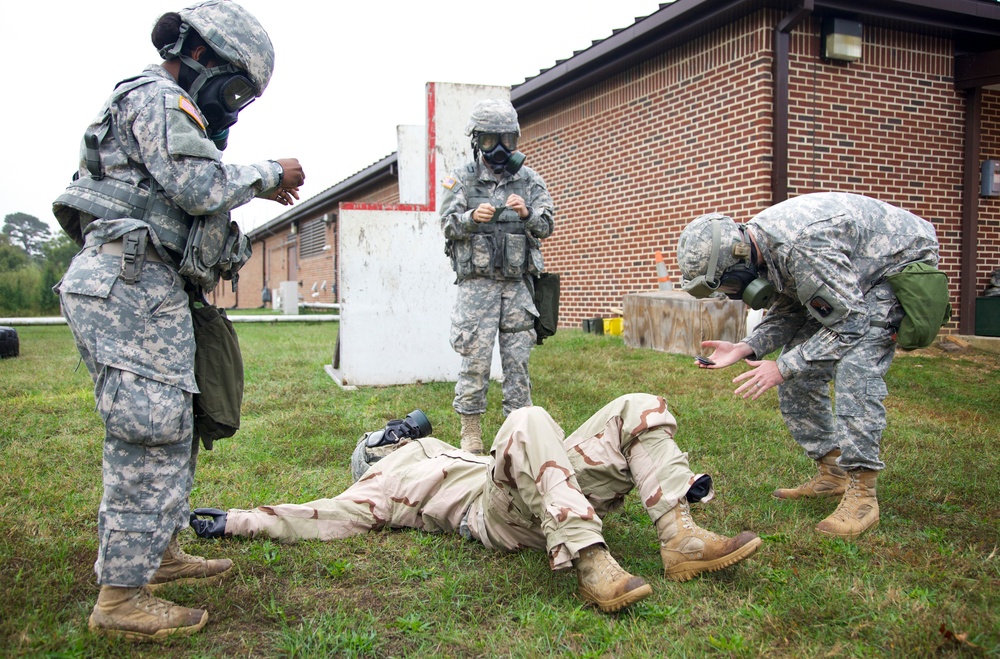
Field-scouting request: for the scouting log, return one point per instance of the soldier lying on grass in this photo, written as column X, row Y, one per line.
column 535, row 489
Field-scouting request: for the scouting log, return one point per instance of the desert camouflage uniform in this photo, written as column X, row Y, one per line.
column 535, row 489
column 486, row 304
column 137, row 339
column 828, row 255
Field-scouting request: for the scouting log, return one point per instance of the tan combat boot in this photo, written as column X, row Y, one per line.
column 858, row 509
column 830, row 481
column 472, row 434
column 135, row 614
column 179, row 567
column 603, row 582
column 688, row 550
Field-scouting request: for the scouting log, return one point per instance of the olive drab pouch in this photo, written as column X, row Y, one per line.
column 547, row 302
column 218, row 370
column 922, row 291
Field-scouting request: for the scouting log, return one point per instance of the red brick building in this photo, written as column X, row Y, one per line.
column 728, row 105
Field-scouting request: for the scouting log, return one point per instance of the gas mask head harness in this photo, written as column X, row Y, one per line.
column 731, row 270
column 495, row 132
column 220, row 91
column 245, row 55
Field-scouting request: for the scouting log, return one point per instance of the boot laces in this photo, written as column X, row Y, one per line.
column 606, row 566
column 688, row 523
column 847, row 509
column 151, row 604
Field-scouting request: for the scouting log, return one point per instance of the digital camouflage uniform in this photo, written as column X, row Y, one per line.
column 828, row 255
column 535, row 489
column 487, row 300
column 137, row 339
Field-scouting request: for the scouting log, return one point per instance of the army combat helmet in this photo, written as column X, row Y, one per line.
column 238, row 39
column 495, row 132
column 716, row 255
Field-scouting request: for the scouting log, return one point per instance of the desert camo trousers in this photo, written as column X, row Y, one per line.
column 534, row 490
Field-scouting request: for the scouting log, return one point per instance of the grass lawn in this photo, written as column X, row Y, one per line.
column 925, row 583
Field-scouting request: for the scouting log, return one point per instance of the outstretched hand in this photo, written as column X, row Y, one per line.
column 724, row 353
column 763, row 376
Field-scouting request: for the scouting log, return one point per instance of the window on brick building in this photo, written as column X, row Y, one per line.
column 312, row 238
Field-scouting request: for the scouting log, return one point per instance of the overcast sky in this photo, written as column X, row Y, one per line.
column 346, row 74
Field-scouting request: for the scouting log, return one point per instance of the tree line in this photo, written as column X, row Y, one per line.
column 32, row 261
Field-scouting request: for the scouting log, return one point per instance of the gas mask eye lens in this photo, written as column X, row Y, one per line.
column 237, row 93
column 509, row 140
column 488, row 141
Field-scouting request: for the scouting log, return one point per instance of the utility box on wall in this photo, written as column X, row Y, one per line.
column 989, row 185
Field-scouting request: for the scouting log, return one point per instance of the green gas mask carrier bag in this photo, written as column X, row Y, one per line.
column 922, row 290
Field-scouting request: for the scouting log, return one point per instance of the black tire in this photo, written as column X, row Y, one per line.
column 10, row 346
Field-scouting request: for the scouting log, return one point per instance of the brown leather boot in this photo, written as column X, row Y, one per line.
column 472, row 434
column 858, row 509
column 135, row 614
column 603, row 582
column 688, row 550
column 179, row 567
column 830, row 481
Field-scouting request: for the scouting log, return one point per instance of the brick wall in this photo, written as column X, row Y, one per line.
column 890, row 126
column 630, row 161
column 988, row 244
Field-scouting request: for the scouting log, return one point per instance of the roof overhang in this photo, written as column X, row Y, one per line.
column 974, row 25
column 346, row 190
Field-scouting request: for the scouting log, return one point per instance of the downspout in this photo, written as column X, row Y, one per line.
column 970, row 211
column 782, row 40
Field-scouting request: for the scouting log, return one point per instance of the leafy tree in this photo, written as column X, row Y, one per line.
column 12, row 257
column 27, row 231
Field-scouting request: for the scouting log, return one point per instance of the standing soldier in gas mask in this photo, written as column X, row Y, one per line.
column 829, row 265
column 495, row 212
column 150, row 206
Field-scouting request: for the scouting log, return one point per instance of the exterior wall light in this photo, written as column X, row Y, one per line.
column 841, row 39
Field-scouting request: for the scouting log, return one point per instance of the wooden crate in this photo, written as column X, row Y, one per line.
column 673, row 321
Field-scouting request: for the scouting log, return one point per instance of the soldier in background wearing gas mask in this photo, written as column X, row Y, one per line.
column 150, row 206
column 820, row 262
column 494, row 212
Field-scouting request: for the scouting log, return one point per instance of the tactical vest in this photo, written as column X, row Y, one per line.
column 500, row 248
column 205, row 248
column 98, row 196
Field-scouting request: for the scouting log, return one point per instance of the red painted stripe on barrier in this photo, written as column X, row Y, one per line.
column 431, row 204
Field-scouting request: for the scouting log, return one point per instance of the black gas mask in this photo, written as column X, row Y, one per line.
column 220, row 91
column 499, row 151
column 414, row 426
column 740, row 281
column 221, row 99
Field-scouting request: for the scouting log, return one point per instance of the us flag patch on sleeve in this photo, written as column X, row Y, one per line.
column 191, row 110
column 449, row 182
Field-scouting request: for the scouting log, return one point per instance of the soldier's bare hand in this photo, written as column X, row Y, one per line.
column 293, row 175
column 516, row 203
column 284, row 196
column 764, row 375
column 483, row 213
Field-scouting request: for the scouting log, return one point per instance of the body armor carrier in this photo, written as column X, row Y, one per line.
column 500, row 248
column 203, row 248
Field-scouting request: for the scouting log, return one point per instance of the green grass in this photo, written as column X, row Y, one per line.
column 927, row 582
